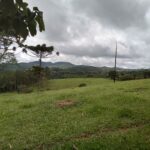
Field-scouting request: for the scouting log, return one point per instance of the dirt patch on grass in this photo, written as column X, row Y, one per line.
column 66, row 103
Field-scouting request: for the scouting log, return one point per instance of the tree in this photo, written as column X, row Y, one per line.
column 17, row 22
column 112, row 75
column 115, row 68
column 39, row 51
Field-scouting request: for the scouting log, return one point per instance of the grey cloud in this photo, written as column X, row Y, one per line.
column 97, row 51
column 69, row 20
column 118, row 13
column 55, row 17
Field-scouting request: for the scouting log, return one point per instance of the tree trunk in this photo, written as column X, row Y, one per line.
column 40, row 60
column 40, row 65
column 115, row 71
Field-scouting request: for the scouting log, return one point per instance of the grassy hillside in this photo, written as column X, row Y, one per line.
column 100, row 116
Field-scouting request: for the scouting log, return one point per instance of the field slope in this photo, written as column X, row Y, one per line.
column 100, row 116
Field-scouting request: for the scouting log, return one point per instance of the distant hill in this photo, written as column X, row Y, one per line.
column 24, row 66
column 60, row 70
column 59, row 65
column 62, row 65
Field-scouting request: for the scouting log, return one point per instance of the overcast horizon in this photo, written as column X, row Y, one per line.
column 85, row 32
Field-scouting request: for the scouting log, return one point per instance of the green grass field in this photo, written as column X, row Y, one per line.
column 101, row 116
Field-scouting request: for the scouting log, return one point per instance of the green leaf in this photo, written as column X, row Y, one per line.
column 32, row 27
column 35, row 9
column 40, row 22
column 21, row 28
column 21, row 3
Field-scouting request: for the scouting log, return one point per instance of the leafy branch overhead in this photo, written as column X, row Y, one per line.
column 18, row 20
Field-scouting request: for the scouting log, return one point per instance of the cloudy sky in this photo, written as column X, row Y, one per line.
column 85, row 31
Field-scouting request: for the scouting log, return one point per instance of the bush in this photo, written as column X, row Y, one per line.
column 20, row 80
column 24, row 89
column 125, row 113
column 82, row 85
column 126, row 77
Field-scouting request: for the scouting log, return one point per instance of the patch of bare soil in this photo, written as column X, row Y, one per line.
column 65, row 103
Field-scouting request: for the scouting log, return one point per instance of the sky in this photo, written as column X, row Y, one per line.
column 85, row 31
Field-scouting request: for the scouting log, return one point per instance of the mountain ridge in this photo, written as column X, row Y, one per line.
column 60, row 65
